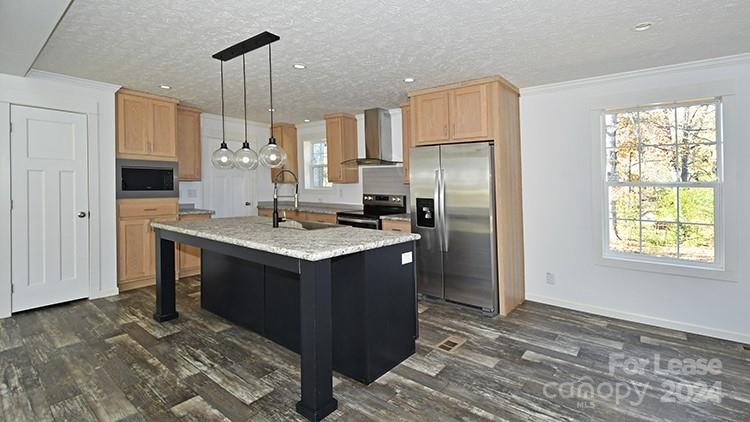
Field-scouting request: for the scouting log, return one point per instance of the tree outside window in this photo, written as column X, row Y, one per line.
column 663, row 177
column 316, row 165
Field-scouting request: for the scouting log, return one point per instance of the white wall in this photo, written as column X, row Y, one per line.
column 97, row 101
column 559, row 143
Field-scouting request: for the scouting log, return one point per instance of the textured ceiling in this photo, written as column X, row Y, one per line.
column 358, row 52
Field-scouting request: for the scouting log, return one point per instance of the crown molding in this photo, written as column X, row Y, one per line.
column 72, row 80
column 694, row 65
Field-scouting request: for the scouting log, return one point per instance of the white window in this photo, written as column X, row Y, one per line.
column 316, row 165
column 663, row 183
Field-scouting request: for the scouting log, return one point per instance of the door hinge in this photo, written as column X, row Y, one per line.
column 12, row 288
column 11, row 127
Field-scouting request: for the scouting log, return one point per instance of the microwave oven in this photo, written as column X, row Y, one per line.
column 146, row 179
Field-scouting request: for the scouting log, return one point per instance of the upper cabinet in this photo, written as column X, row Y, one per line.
column 469, row 111
column 431, row 117
column 341, row 142
column 406, row 137
column 146, row 126
column 456, row 113
column 189, row 143
column 286, row 138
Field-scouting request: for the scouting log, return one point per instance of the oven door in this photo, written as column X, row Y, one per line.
column 358, row 221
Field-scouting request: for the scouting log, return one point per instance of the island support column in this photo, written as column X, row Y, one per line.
column 316, row 340
column 165, row 285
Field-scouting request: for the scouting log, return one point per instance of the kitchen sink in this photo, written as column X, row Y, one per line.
column 306, row 225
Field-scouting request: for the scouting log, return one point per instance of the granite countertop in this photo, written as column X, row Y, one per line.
column 290, row 239
column 316, row 207
column 194, row 211
column 397, row 217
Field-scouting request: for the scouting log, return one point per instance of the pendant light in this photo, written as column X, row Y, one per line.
column 222, row 158
column 245, row 158
column 272, row 155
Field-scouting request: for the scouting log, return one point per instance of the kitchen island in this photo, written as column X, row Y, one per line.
column 343, row 297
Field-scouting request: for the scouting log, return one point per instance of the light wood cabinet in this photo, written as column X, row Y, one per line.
column 469, row 113
column 341, row 144
column 136, row 266
column 320, row 217
column 300, row 215
column 133, row 249
column 431, row 117
column 189, row 143
column 146, row 126
column 457, row 113
column 265, row 212
column 397, row 226
column 190, row 256
column 406, row 138
column 286, row 138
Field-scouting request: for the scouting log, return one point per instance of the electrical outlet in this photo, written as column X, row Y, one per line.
column 192, row 193
column 550, row 279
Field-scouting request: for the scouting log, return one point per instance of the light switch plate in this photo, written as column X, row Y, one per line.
column 406, row 258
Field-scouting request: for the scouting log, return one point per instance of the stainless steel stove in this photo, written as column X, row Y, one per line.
column 374, row 206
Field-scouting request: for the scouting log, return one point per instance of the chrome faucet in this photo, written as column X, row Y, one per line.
column 276, row 196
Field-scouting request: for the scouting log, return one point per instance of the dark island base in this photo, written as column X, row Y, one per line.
column 373, row 306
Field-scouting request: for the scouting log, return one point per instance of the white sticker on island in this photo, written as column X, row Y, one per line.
column 406, row 258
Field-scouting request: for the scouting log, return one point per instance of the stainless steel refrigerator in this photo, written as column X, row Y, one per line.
column 453, row 208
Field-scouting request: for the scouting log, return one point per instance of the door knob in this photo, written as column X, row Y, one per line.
column 82, row 214
column 247, row 204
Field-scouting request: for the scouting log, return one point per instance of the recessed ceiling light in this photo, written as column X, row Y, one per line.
column 165, row 87
column 307, row 120
column 408, row 80
column 643, row 26
column 299, row 66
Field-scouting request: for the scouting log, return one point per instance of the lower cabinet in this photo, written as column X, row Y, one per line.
column 397, row 226
column 190, row 256
column 136, row 265
column 300, row 215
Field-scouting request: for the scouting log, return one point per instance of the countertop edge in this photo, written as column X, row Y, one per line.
column 388, row 241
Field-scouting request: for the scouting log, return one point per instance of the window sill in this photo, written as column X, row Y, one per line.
column 703, row 271
column 320, row 189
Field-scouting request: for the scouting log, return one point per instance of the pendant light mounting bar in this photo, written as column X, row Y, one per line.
column 242, row 47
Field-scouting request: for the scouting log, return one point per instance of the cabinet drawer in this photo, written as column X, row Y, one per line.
column 146, row 207
column 397, row 226
column 265, row 212
column 321, row 218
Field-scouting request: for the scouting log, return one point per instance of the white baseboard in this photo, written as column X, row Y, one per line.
column 105, row 293
column 644, row 319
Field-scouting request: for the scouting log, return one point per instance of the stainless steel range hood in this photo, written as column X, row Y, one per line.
column 378, row 146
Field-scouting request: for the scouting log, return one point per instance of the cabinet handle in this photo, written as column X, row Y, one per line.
column 396, row 230
column 150, row 209
column 445, row 130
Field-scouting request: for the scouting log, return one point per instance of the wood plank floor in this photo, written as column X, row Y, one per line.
column 107, row 360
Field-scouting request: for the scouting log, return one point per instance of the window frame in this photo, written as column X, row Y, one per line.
column 309, row 166
column 650, row 261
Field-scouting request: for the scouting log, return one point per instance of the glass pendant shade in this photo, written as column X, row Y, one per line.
column 245, row 158
column 223, row 158
column 272, row 156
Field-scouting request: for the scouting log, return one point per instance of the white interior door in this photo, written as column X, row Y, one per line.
column 230, row 193
column 49, row 220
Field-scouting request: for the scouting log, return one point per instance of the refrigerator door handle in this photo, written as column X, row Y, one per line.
column 438, row 193
column 444, row 220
